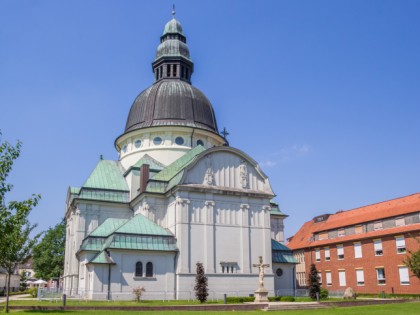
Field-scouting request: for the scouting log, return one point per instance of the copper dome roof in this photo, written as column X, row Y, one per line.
column 171, row 102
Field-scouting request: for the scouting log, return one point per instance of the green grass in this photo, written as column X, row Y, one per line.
column 389, row 309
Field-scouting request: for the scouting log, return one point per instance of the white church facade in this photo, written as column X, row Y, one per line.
column 177, row 195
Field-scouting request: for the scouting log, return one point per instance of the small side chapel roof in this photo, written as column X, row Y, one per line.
column 140, row 225
column 281, row 253
column 102, row 258
column 107, row 175
column 108, row 227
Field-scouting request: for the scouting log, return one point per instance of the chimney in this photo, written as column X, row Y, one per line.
column 144, row 177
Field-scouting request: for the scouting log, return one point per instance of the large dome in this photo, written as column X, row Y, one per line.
column 171, row 102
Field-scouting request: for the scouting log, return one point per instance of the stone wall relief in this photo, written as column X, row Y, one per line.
column 209, row 175
column 243, row 175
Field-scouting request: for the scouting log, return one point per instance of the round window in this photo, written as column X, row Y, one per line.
column 279, row 272
column 179, row 140
column 124, row 148
column 137, row 144
column 157, row 140
column 200, row 142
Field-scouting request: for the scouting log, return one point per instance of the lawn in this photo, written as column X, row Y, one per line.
column 389, row 309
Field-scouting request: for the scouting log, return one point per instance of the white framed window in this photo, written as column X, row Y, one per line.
column 400, row 243
column 377, row 245
column 400, row 221
column 320, row 277
column 342, row 278
column 328, row 278
column 327, row 253
column 340, row 252
column 357, row 250
column 404, row 277
column 380, row 275
column 360, row 277
column 317, row 254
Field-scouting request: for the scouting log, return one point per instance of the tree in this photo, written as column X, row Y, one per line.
column 314, row 286
column 23, row 279
column 201, row 284
column 48, row 254
column 15, row 229
column 413, row 260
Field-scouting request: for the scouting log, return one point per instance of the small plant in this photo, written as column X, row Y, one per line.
column 323, row 294
column 138, row 292
column 33, row 292
column 287, row 299
column 201, row 283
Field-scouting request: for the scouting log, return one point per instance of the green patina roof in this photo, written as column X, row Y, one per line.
column 102, row 258
column 173, row 26
column 107, row 227
column 104, row 195
column 153, row 164
column 141, row 242
column 107, row 175
column 93, row 244
column 172, row 169
column 75, row 190
column 281, row 253
column 139, row 224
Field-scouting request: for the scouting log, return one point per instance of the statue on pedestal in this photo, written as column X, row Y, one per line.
column 261, row 293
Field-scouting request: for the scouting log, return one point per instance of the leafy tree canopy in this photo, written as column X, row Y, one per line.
column 413, row 260
column 15, row 229
column 48, row 255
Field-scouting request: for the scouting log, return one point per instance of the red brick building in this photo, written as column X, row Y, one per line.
column 363, row 248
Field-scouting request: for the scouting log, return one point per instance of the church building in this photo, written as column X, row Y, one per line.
column 177, row 195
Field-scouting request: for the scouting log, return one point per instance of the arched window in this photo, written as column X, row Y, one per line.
column 149, row 269
column 139, row 269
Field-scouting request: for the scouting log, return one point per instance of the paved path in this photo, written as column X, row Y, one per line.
column 13, row 297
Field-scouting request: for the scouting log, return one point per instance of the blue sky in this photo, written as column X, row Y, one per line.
column 325, row 95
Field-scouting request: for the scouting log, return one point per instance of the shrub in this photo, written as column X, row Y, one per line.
column 237, row 300
column 201, row 284
column 323, row 294
column 287, row 299
column 33, row 292
column 138, row 292
column 274, row 298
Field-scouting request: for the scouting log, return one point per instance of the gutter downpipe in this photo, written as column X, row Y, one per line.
column 109, row 277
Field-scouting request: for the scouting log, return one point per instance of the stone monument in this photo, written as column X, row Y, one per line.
column 261, row 293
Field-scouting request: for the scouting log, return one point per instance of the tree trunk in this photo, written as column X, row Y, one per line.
column 7, row 292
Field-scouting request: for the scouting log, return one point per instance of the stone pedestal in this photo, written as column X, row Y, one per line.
column 261, row 295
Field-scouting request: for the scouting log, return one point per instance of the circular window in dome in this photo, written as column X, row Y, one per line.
column 200, row 142
column 179, row 140
column 137, row 144
column 124, row 149
column 157, row 140
column 279, row 272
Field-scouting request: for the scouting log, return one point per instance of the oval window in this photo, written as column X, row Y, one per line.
column 200, row 142
column 137, row 144
column 279, row 272
column 124, row 149
column 157, row 140
column 179, row 140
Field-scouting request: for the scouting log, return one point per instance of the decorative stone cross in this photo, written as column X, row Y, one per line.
column 261, row 267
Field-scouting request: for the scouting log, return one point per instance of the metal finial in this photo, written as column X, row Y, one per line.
column 101, row 157
column 224, row 132
column 173, row 11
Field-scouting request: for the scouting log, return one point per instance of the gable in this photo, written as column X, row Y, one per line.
column 226, row 168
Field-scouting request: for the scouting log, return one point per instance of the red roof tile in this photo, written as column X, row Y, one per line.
column 382, row 210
